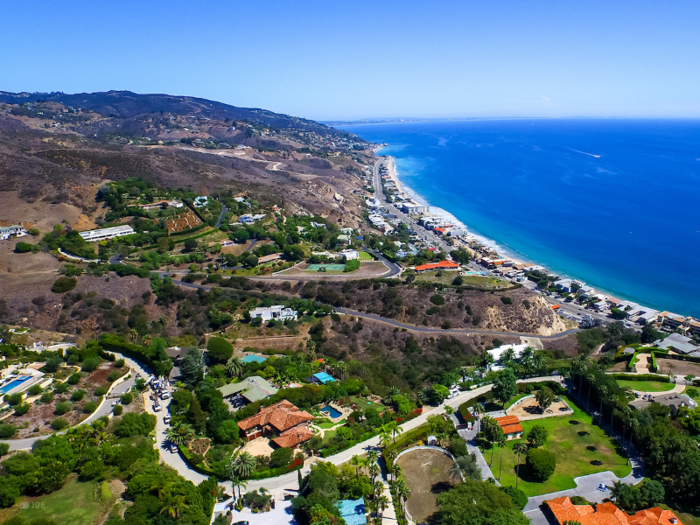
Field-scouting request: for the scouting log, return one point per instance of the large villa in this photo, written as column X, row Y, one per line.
column 284, row 419
column 607, row 514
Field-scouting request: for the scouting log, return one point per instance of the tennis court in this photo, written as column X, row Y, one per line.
column 326, row 268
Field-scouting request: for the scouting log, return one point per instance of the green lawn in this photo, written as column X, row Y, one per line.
column 74, row 504
column 326, row 424
column 364, row 256
column 576, row 442
column 646, row 386
column 364, row 404
column 328, row 435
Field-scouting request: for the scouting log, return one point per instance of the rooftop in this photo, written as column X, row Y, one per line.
column 282, row 416
column 323, row 377
column 435, row 266
column 607, row 514
column 509, row 424
column 254, row 388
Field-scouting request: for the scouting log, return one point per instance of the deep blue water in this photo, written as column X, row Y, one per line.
column 626, row 223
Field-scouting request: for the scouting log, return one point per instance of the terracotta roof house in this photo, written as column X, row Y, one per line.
column 442, row 265
column 511, row 426
column 279, row 418
column 608, row 514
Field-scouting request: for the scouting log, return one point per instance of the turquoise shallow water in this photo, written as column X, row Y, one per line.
column 613, row 202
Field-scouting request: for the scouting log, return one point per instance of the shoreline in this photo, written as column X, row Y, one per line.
column 503, row 248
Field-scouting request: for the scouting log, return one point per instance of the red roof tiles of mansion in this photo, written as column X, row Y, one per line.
column 435, row 266
column 292, row 437
column 608, row 514
column 282, row 416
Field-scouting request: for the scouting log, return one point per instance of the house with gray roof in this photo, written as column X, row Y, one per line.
column 678, row 343
column 250, row 390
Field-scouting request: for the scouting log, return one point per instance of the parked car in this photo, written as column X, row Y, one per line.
column 241, row 523
column 165, row 395
column 166, row 420
column 157, row 408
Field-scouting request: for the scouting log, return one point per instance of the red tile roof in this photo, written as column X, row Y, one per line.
column 292, row 437
column 282, row 416
column 607, row 514
column 435, row 266
column 509, row 424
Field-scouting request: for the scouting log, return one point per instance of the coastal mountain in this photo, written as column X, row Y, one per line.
column 126, row 104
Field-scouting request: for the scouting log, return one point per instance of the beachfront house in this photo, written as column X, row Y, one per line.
column 277, row 312
column 104, row 234
column 16, row 230
column 564, row 285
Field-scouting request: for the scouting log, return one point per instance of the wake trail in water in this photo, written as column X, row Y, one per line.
column 584, row 153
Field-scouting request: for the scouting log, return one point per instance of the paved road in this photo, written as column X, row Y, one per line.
column 427, row 329
column 224, row 210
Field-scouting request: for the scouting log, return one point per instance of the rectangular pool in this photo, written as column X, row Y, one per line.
column 12, row 384
column 332, row 412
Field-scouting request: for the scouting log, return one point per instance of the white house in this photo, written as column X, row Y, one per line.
column 106, row 233
column 16, row 230
column 200, row 202
column 250, row 219
column 497, row 353
column 278, row 312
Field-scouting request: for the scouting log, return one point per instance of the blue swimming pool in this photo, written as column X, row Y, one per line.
column 12, row 384
column 332, row 412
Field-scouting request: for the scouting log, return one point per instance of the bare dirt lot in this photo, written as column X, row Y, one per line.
column 678, row 367
column 529, row 409
column 427, row 473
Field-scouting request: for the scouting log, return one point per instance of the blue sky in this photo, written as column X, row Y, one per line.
column 328, row 60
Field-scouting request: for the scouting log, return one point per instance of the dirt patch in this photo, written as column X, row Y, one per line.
column 258, row 447
column 427, row 474
column 529, row 409
column 619, row 367
column 679, row 367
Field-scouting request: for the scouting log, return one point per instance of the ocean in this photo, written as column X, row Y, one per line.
column 613, row 202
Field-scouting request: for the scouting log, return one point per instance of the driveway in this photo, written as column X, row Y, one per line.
column 281, row 515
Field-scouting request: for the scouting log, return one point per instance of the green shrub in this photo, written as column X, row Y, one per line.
column 74, row 379
column 437, row 299
column 352, row 266
column 219, row 349
column 506, row 300
column 53, row 364
column 432, row 310
column 89, row 407
column 61, row 388
column 64, row 284
column 22, row 409
column 14, row 399
column 113, row 376
column 126, row 398
column 4, row 448
column 100, row 390
column 7, row 431
column 91, row 364
column 34, row 232
column 119, row 363
column 281, row 457
column 62, row 408
column 23, row 247
column 517, row 495
column 78, row 395
column 464, row 411
column 47, row 397
column 117, row 410
column 458, row 281
column 34, row 390
column 541, row 463
column 641, row 377
column 59, row 423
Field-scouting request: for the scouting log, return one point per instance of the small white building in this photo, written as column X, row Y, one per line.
column 107, row 233
column 250, row 219
column 16, row 230
column 350, row 255
column 278, row 312
column 497, row 353
column 200, row 202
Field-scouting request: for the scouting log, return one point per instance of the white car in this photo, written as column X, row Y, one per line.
column 157, row 408
column 165, row 395
column 166, row 419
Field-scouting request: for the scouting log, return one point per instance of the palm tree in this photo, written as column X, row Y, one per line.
column 382, row 504
column 502, row 443
column 340, row 367
column 384, row 438
column 602, row 393
column 356, row 462
column 374, row 471
column 377, row 488
column 147, row 340
column 391, row 393
column 519, row 448
column 402, row 490
column 538, row 361
column 395, row 471
column 396, row 430
column 372, row 456
column 180, row 434
column 234, row 366
column 478, row 410
column 243, row 464
column 173, row 505
column 133, row 334
column 238, row 483
column 589, row 378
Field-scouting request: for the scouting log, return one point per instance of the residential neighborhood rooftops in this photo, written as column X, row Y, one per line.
column 607, row 514
column 509, row 424
column 254, row 389
column 292, row 437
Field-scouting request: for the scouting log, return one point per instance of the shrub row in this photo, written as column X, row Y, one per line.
column 641, row 377
column 157, row 360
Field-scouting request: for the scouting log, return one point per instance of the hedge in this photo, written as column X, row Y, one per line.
column 201, row 469
column 641, row 377
column 407, row 439
column 464, row 412
column 157, row 360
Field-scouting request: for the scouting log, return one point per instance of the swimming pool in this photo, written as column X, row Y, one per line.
column 12, row 384
column 332, row 412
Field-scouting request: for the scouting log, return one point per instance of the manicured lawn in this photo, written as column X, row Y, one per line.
column 329, row 434
column 364, row 404
column 364, row 256
column 74, row 504
column 646, row 386
column 326, row 424
column 575, row 441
